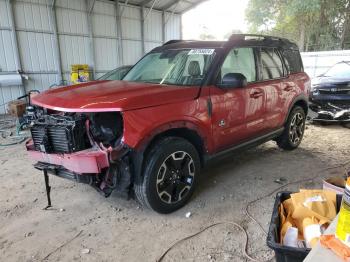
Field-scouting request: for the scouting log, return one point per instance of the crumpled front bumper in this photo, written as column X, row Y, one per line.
column 329, row 112
column 89, row 161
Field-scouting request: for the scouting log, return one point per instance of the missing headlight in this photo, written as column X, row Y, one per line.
column 107, row 127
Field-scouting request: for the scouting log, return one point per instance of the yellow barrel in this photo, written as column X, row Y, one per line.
column 343, row 227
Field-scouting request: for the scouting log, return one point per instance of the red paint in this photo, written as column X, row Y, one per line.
column 90, row 161
column 150, row 109
column 103, row 96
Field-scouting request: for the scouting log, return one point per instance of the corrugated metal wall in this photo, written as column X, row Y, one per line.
column 36, row 39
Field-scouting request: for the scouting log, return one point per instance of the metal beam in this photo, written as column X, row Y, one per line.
column 57, row 50
column 145, row 2
column 193, row 6
column 91, row 39
column 142, row 14
column 171, row 4
column 172, row 13
column 15, row 40
column 163, row 27
column 92, row 7
column 122, row 10
column 14, row 35
column 119, row 32
column 150, row 10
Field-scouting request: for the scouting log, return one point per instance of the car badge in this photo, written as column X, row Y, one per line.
column 334, row 89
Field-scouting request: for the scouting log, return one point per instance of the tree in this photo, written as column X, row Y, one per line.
column 313, row 24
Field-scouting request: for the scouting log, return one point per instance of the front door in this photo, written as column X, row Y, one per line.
column 238, row 113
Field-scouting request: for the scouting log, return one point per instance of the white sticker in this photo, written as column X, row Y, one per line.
column 316, row 198
column 201, row 52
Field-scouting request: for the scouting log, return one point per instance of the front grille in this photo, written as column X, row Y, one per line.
column 335, row 91
column 60, row 134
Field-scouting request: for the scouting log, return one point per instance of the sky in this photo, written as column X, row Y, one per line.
column 215, row 17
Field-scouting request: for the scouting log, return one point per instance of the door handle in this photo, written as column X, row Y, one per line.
column 288, row 88
column 256, row 94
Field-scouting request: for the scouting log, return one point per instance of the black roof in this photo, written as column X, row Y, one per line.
column 234, row 40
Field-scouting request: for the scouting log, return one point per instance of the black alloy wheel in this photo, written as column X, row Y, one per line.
column 175, row 177
column 293, row 130
column 170, row 174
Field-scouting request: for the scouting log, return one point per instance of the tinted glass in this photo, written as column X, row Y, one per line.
column 271, row 64
column 293, row 61
column 187, row 67
column 240, row 60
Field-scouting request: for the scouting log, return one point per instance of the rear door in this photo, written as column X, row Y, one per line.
column 272, row 74
column 238, row 113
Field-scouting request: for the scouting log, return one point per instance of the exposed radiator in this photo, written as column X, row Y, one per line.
column 60, row 134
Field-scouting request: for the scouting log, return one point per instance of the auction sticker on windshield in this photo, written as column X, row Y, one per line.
column 201, row 52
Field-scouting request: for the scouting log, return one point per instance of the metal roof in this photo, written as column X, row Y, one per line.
column 175, row 6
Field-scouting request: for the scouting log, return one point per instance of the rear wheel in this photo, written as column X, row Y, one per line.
column 294, row 130
column 171, row 172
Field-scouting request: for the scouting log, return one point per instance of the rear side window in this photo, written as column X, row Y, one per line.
column 271, row 64
column 293, row 61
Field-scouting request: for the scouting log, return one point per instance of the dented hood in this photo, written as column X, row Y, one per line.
column 99, row 96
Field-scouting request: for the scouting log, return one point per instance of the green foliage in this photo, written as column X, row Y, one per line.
column 314, row 24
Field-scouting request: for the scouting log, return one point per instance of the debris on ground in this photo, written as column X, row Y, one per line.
column 29, row 234
column 281, row 180
column 85, row 251
column 188, row 214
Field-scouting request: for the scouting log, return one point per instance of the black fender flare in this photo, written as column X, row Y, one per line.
column 298, row 100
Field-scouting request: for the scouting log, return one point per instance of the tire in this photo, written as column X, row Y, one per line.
column 294, row 130
column 171, row 171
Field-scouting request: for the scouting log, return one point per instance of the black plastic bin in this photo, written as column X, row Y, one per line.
column 285, row 253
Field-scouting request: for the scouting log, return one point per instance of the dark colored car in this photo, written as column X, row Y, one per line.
column 116, row 74
column 330, row 94
column 181, row 105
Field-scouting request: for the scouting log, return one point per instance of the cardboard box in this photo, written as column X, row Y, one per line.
column 17, row 108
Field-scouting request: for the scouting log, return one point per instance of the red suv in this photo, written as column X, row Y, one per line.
column 182, row 104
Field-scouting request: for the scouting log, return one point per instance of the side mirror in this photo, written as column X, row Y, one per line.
column 233, row 80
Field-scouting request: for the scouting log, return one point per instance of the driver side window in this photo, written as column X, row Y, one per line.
column 240, row 60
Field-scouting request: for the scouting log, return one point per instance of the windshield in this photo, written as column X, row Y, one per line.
column 341, row 70
column 116, row 74
column 184, row 67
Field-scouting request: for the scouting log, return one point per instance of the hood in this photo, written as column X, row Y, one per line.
column 330, row 82
column 100, row 96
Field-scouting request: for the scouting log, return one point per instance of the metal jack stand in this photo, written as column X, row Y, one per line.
column 48, row 190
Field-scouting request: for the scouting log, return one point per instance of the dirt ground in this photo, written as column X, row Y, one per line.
column 112, row 229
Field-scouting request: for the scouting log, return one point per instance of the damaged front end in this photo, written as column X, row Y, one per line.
column 84, row 147
column 328, row 112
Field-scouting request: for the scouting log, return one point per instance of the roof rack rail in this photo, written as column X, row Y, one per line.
column 245, row 37
column 173, row 41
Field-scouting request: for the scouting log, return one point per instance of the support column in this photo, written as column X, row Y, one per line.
column 181, row 29
column 142, row 9
column 119, row 32
column 91, row 39
column 163, row 26
column 15, row 40
column 56, row 43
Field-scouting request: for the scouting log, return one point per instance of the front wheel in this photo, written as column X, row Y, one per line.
column 171, row 173
column 294, row 130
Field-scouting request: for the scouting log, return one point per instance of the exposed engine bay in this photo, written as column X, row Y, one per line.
column 84, row 147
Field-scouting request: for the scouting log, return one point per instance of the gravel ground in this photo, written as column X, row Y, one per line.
column 92, row 228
